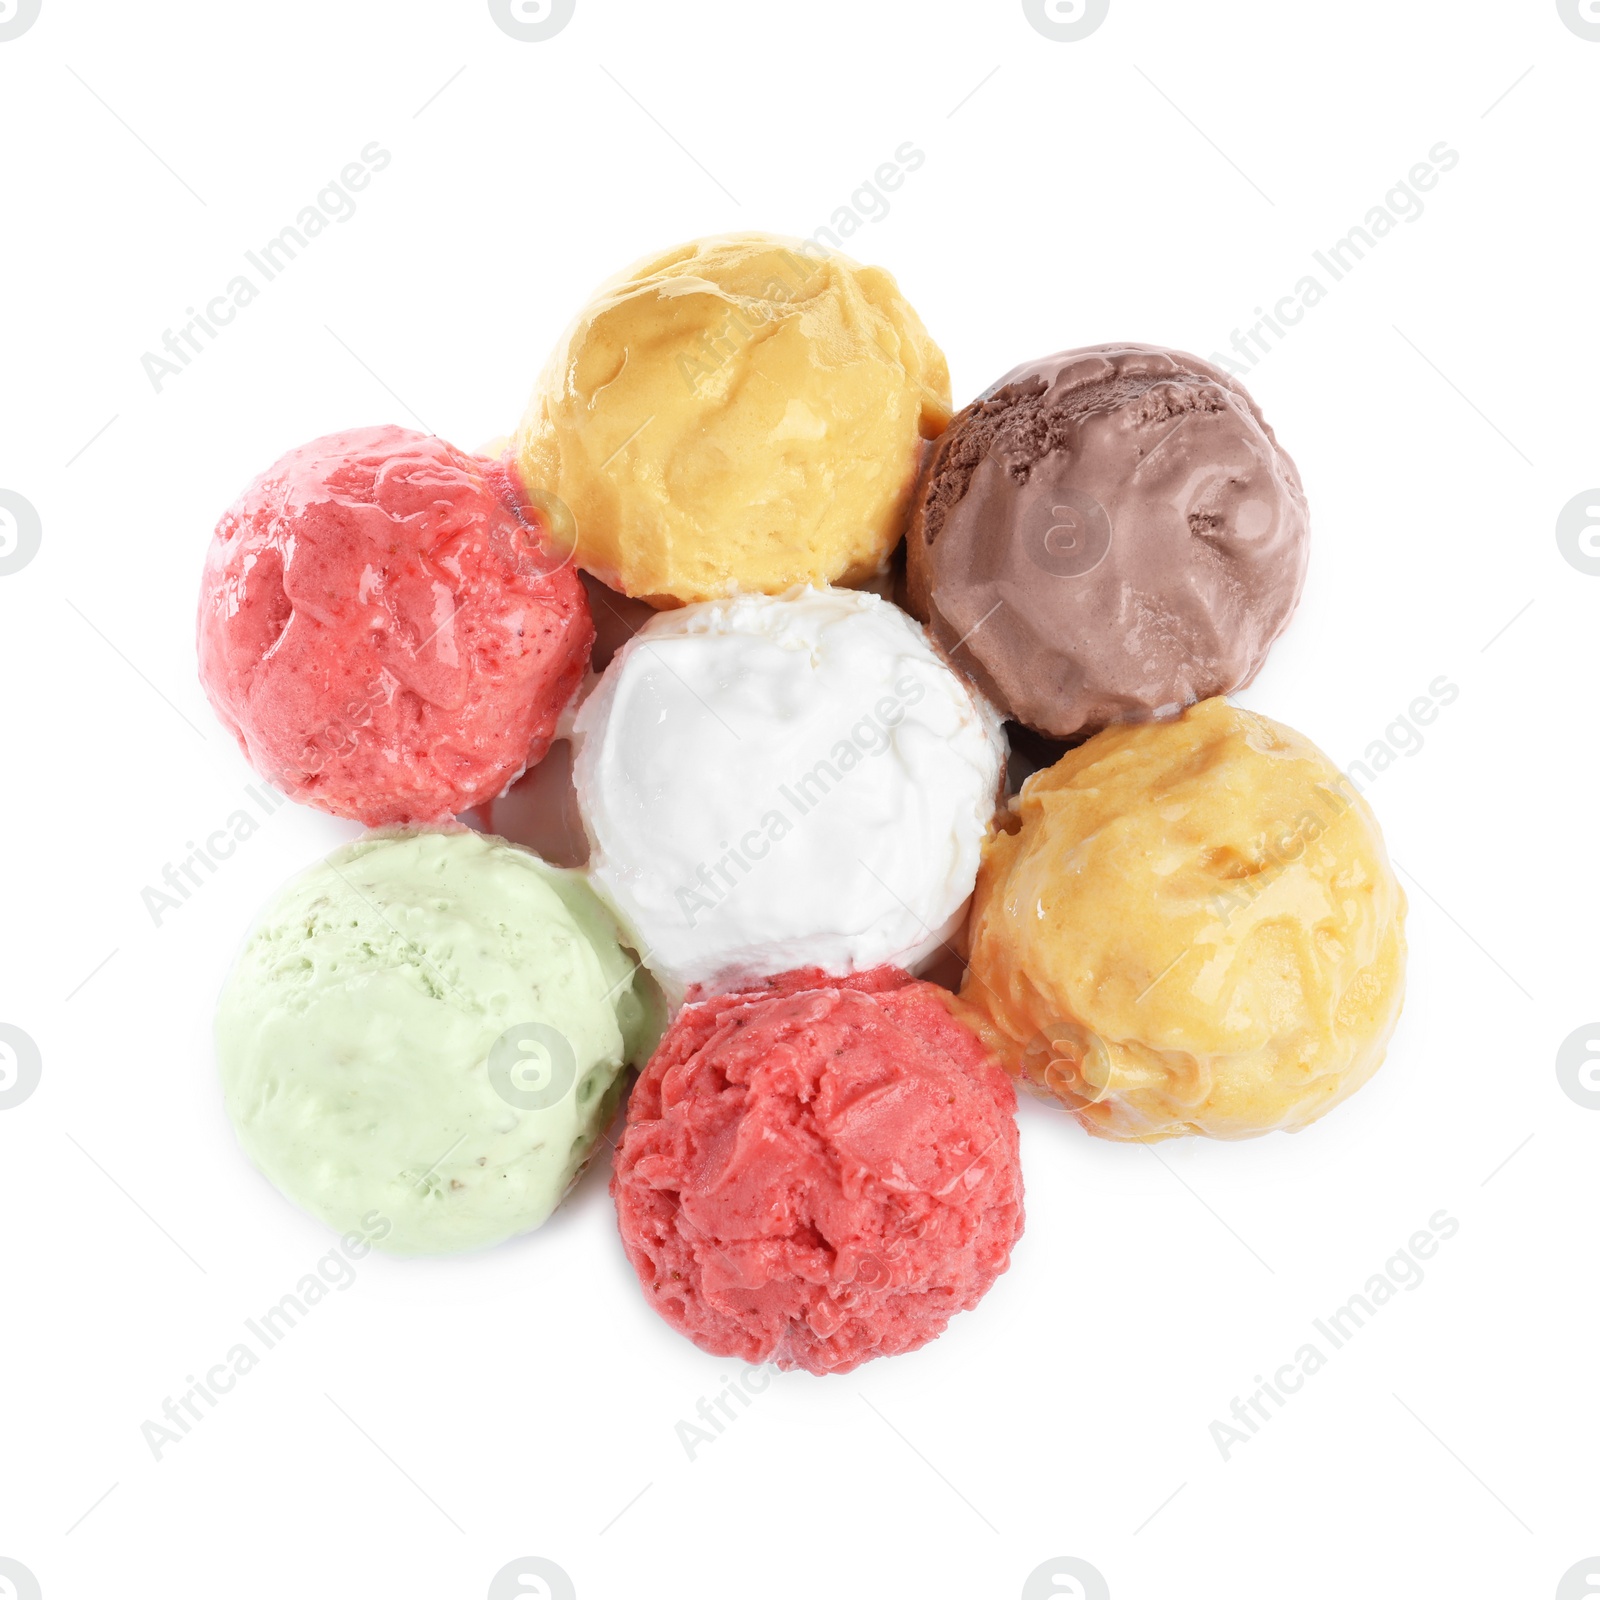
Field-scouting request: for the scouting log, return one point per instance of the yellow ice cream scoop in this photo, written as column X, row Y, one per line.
column 744, row 413
column 1189, row 927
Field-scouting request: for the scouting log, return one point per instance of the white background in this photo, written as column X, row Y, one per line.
column 1156, row 181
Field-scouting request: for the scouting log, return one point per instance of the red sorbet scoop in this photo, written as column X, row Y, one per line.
column 385, row 636
column 819, row 1171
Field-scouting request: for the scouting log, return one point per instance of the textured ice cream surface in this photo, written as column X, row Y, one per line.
column 779, row 782
column 741, row 413
column 384, row 634
column 433, row 1027
column 819, row 1171
column 1108, row 535
column 1189, row 927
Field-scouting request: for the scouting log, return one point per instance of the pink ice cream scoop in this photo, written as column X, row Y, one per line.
column 385, row 634
column 819, row 1171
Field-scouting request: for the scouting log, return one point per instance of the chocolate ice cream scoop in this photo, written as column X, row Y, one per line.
column 1107, row 535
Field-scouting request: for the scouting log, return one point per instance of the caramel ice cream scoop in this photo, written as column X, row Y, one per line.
column 1189, row 927
column 739, row 415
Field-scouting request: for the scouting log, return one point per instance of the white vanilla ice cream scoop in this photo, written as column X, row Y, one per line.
column 773, row 782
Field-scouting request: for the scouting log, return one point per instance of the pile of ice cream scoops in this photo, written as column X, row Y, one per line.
column 792, row 793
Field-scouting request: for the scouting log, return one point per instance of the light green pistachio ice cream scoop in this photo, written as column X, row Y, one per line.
column 435, row 1026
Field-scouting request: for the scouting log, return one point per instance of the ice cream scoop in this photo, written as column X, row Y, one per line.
column 1107, row 535
column 819, row 1172
column 779, row 782
column 1190, row 927
column 743, row 413
column 432, row 1027
column 384, row 634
